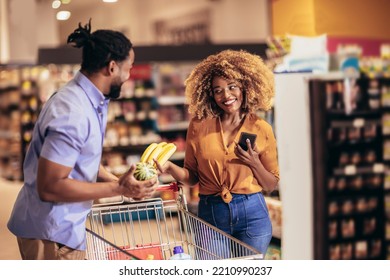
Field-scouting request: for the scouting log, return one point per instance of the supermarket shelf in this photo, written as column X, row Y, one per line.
column 9, row 154
column 171, row 100
column 9, row 135
column 356, row 122
column 174, row 126
column 358, row 114
column 377, row 168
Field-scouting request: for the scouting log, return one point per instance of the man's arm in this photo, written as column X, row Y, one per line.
column 105, row 176
column 55, row 186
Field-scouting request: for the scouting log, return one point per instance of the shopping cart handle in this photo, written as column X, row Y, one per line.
column 168, row 187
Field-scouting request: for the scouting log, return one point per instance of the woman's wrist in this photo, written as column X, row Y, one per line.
column 256, row 165
column 168, row 167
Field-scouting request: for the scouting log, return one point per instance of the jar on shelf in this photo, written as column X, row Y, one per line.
column 374, row 98
column 357, row 182
column 370, row 156
column 354, row 134
column 341, row 183
column 348, row 228
column 344, row 159
column 356, row 158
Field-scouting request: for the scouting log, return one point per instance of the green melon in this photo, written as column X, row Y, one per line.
column 144, row 171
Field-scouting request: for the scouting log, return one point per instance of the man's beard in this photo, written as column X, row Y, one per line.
column 115, row 92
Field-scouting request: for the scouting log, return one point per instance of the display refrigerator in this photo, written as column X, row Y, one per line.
column 332, row 133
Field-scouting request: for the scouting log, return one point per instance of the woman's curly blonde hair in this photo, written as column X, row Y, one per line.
column 249, row 70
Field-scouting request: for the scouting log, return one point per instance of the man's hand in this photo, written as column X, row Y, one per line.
column 137, row 189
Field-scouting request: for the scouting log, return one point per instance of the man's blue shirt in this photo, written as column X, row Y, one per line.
column 69, row 131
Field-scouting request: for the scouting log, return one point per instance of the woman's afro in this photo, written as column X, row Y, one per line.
column 249, row 70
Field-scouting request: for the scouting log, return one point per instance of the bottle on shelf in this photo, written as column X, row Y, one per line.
column 178, row 254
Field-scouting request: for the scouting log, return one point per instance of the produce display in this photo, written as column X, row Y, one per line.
column 161, row 152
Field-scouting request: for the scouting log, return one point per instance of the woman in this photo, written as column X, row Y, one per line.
column 224, row 92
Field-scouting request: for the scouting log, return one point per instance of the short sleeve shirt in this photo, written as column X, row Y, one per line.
column 217, row 166
column 69, row 131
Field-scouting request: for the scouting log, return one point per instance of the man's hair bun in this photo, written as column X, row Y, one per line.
column 81, row 36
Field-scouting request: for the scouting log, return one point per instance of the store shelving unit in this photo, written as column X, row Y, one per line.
column 385, row 100
column 333, row 166
column 10, row 118
column 20, row 106
column 348, row 173
column 29, row 108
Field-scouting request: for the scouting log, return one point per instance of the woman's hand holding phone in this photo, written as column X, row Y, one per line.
column 243, row 137
column 242, row 151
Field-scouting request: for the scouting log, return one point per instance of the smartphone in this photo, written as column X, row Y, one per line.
column 243, row 137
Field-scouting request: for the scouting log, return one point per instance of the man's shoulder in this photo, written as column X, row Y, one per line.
column 73, row 94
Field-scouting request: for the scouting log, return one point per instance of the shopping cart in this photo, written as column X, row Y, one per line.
column 150, row 229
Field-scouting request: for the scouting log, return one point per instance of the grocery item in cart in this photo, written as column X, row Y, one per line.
column 178, row 254
column 146, row 168
column 132, row 231
column 140, row 252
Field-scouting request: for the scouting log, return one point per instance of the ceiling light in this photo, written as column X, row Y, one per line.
column 65, row 1
column 63, row 15
column 110, row 1
column 56, row 4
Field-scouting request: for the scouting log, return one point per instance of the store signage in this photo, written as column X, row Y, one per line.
column 193, row 28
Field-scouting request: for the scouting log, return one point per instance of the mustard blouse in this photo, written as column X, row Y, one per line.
column 217, row 167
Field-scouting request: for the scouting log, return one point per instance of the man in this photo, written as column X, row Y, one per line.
column 62, row 170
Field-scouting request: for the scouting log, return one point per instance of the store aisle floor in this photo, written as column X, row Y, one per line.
column 8, row 192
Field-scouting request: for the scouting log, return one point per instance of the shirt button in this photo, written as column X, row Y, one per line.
column 101, row 102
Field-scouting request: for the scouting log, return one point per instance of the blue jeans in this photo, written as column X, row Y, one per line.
column 245, row 218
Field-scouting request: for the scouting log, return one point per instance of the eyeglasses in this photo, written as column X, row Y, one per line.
column 218, row 91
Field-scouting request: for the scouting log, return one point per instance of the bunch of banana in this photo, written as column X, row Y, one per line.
column 161, row 152
column 146, row 168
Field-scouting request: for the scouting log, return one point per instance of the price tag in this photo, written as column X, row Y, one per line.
column 378, row 168
column 350, row 170
column 358, row 122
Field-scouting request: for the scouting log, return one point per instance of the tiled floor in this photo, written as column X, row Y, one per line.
column 8, row 192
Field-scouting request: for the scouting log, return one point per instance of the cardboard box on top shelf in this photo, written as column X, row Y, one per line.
column 307, row 54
